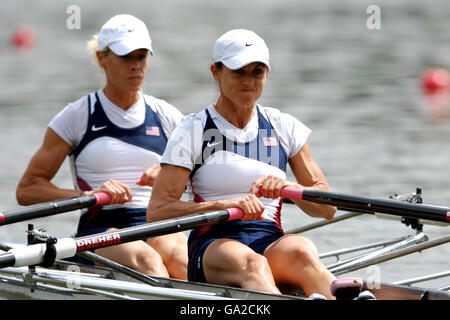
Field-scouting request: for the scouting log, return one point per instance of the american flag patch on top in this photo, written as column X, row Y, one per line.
column 270, row 141
column 152, row 131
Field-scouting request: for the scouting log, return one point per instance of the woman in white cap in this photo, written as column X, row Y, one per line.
column 229, row 151
column 115, row 138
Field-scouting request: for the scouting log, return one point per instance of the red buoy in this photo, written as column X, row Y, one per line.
column 435, row 79
column 24, row 37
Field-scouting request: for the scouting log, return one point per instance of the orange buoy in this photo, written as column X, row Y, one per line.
column 24, row 37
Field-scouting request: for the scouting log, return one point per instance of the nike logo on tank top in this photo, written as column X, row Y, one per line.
column 149, row 135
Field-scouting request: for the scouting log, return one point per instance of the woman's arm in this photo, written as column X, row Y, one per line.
column 169, row 186
column 35, row 185
column 310, row 176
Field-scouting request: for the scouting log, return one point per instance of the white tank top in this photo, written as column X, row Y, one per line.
column 228, row 172
column 108, row 157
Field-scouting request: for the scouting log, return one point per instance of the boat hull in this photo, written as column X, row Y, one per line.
column 104, row 283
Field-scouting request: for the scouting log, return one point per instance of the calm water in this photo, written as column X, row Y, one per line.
column 374, row 133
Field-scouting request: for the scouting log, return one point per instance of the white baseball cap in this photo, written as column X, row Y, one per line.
column 123, row 34
column 238, row 48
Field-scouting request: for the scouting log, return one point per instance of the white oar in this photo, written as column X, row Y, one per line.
column 68, row 247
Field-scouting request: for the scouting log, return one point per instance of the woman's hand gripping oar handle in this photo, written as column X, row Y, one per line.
column 102, row 198
column 235, row 213
column 288, row 192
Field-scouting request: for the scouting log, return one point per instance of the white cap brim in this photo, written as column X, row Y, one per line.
column 244, row 59
column 130, row 44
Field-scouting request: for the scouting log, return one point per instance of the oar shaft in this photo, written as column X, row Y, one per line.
column 68, row 247
column 53, row 207
column 369, row 205
column 150, row 230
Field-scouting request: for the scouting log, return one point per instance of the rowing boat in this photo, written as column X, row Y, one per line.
column 66, row 280
column 45, row 269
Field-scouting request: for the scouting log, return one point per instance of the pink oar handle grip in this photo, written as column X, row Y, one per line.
column 293, row 193
column 287, row 192
column 102, row 198
column 235, row 213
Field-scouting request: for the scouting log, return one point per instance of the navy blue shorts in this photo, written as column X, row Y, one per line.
column 106, row 219
column 256, row 234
